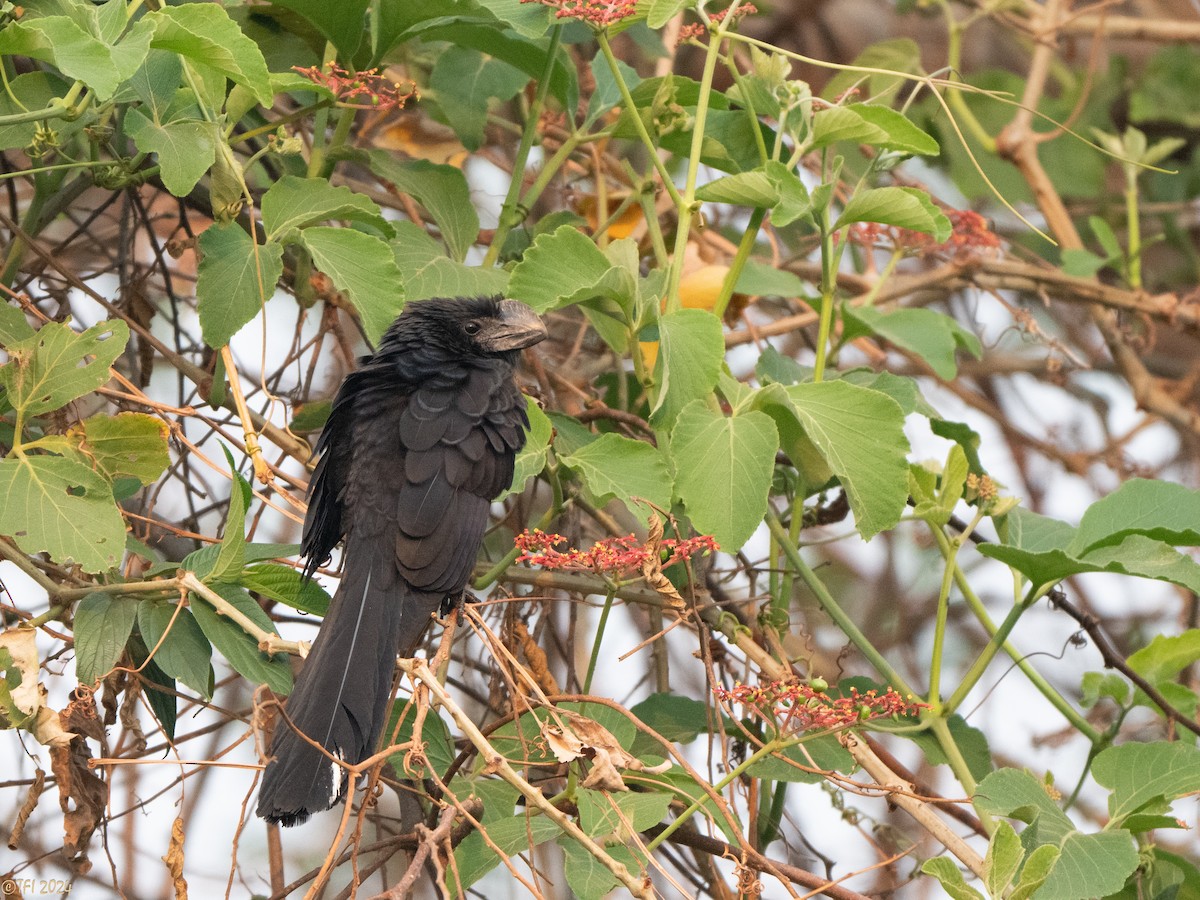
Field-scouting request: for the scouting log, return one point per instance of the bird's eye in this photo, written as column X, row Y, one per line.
column 471, row 328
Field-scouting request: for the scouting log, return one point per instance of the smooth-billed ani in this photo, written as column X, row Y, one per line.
column 421, row 439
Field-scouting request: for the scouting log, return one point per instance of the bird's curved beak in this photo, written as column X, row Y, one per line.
column 519, row 327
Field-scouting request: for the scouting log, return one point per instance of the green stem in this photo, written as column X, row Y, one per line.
column 749, row 236
column 954, row 32
column 1134, row 228
column 635, row 116
column 832, row 609
column 591, row 669
column 828, row 290
column 510, row 211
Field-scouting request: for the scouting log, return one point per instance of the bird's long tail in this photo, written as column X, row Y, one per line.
column 342, row 691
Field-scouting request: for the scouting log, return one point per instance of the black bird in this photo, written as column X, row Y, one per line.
column 421, row 439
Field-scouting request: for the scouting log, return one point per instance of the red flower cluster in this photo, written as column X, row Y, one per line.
column 599, row 13
column 969, row 232
column 699, row 29
column 800, row 707
column 367, row 89
column 612, row 555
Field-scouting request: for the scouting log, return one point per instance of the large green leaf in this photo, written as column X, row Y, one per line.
column 55, row 365
column 342, row 23
column 126, row 445
column 474, row 858
column 204, row 33
column 558, row 265
column 363, row 268
column 723, row 470
column 238, row 647
column 235, row 279
column 860, row 434
column 444, row 277
column 442, row 190
column 1142, row 774
column 186, row 148
column 1161, row 510
column 931, row 335
column 1091, row 865
column 287, row 585
column 59, row 506
column 183, row 652
column 61, row 41
column 902, row 207
column 464, row 81
column 615, row 466
column 691, row 351
column 102, row 626
column 293, row 202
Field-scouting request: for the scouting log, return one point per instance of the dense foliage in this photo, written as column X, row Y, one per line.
column 737, row 632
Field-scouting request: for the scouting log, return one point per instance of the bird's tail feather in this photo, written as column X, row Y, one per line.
column 342, row 691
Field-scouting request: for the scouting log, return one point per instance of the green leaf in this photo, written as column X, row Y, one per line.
column 1004, row 856
column 1018, row 795
column 157, row 686
column 587, row 877
column 444, row 277
column 600, row 812
column 1165, row 92
column 528, row 56
column 442, row 190
column 1161, row 510
column 931, row 335
column 795, row 764
column 1104, row 684
column 902, row 207
column 723, row 470
column 293, row 202
column 615, row 466
column 14, row 327
column 556, row 267
column 1141, row 774
column 1035, row 872
column 691, row 352
column 971, row 742
column 204, row 33
column 464, row 81
column 754, row 188
column 184, row 653
column 899, row 133
column 841, row 123
column 759, row 279
column 238, row 647
column 900, row 55
column 231, row 558
column 1166, row 655
column 287, row 585
column 59, row 506
column 860, row 433
column 55, row 365
column 129, row 444
column 102, row 626
column 1090, row 865
column 61, row 41
column 362, row 267
column 946, row 871
column 794, row 202
column 439, row 749
column 532, row 458
column 186, row 148
column 342, row 23
column 235, row 279
column 678, row 719
column 516, row 834
column 1081, row 263
column 607, row 94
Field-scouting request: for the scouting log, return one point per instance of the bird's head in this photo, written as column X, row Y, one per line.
column 472, row 326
